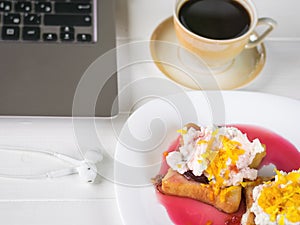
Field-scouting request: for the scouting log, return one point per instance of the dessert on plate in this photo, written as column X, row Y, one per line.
column 219, row 166
column 210, row 165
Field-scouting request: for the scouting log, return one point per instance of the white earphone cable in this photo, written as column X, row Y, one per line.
column 24, row 148
column 29, row 149
column 49, row 174
column 32, row 177
column 86, row 167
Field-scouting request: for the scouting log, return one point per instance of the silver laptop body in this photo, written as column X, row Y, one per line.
column 38, row 75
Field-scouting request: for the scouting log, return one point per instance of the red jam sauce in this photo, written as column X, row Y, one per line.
column 185, row 211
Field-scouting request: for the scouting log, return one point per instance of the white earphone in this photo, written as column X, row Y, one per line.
column 86, row 168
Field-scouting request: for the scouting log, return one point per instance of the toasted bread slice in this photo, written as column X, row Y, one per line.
column 225, row 199
column 257, row 159
column 249, row 217
column 247, row 191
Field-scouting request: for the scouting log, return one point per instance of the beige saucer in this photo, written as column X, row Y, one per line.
column 188, row 70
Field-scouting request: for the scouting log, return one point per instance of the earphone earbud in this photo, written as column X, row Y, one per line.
column 85, row 168
column 87, row 172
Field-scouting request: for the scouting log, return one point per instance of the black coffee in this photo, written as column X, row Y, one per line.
column 215, row 19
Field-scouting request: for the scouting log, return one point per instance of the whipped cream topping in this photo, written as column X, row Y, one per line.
column 284, row 203
column 222, row 154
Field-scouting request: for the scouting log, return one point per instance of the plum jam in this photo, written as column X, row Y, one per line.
column 185, row 211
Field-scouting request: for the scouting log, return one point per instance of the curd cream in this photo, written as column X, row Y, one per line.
column 278, row 202
column 222, row 154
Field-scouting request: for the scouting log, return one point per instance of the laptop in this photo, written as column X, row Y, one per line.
column 46, row 47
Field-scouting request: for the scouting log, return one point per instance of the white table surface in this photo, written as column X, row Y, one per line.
column 65, row 201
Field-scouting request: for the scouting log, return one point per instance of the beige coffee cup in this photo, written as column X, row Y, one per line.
column 220, row 52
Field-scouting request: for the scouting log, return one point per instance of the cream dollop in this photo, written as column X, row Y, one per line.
column 263, row 218
column 201, row 146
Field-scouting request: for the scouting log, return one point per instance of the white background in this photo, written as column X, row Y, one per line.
column 67, row 200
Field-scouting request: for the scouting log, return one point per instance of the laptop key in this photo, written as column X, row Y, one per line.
column 43, row 7
column 67, row 20
column 67, row 36
column 32, row 19
column 50, row 37
column 10, row 33
column 67, row 29
column 5, row 6
column 84, row 37
column 31, row 33
column 23, row 6
column 12, row 18
column 61, row 7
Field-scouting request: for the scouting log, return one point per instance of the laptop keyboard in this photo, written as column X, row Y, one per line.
column 56, row 21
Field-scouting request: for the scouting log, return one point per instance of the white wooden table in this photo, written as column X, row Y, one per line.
column 67, row 201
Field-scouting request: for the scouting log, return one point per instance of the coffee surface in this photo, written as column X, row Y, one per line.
column 215, row 19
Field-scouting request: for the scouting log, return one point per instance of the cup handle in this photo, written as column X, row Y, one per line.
column 270, row 23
